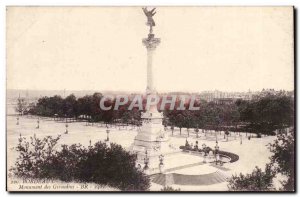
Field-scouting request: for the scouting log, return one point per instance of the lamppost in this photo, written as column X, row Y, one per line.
column 161, row 159
column 107, row 137
column 197, row 131
column 161, row 163
column 146, row 161
column 107, row 132
column 66, row 125
column 241, row 138
column 17, row 120
column 217, row 153
column 204, row 151
column 38, row 123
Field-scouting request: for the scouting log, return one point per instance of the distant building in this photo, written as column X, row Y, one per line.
column 225, row 97
column 224, row 101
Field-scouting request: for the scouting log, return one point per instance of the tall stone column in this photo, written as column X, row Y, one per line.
column 151, row 43
column 152, row 137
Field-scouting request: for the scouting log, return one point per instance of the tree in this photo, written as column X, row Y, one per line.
column 172, row 129
column 100, row 164
column 188, row 117
column 70, row 106
column 94, row 107
column 109, row 115
column 268, row 113
column 180, row 121
column 21, row 106
column 282, row 162
column 48, row 106
column 84, row 105
column 283, row 159
column 258, row 180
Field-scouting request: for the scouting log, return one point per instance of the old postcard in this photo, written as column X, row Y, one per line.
column 144, row 99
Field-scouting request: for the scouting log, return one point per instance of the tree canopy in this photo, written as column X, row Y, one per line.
column 262, row 116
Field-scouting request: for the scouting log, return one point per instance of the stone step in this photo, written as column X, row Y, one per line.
column 159, row 179
column 181, row 179
column 183, row 167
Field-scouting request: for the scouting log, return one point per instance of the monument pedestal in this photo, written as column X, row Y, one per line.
column 151, row 142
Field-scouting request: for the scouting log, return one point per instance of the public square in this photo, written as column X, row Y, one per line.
column 187, row 94
column 253, row 152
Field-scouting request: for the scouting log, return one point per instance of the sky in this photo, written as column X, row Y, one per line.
column 100, row 48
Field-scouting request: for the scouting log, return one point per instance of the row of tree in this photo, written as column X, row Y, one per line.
column 263, row 115
column 86, row 107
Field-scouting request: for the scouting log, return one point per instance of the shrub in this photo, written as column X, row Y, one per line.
column 33, row 155
column 283, row 159
column 188, row 148
column 99, row 164
column 258, row 180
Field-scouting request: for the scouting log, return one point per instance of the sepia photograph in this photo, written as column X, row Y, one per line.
column 150, row 99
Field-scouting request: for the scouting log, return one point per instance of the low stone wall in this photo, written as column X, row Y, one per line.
column 231, row 156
